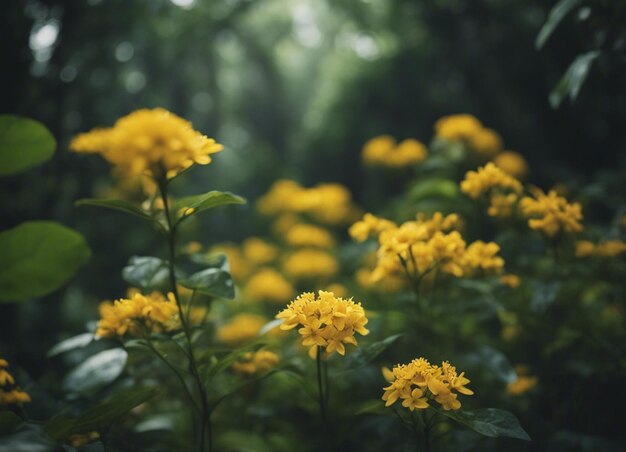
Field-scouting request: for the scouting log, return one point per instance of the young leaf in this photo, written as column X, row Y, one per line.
column 118, row 204
column 557, row 13
column 212, row 281
column 24, row 143
column 71, row 343
column 490, row 422
column 364, row 355
column 573, row 79
column 191, row 205
column 96, row 371
column 146, row 272
column 39, row 257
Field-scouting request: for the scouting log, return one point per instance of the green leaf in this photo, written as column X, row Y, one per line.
column 96, row 371
column 71, row 343
column 212, row 281
column 102, row 415
column 364, row 355
column 147, row 273
column 118, row 204
column 24, row 143
column 434, row 188
column 200, row 203
column 39, row 257
column 493, row 361
column 9, row 422
column 544, row 295
column 557, row 13
column 376, row 406
column 573, row 79
column 490, row 422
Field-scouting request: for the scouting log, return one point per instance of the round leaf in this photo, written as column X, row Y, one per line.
column 24, row 143
column 38, row 258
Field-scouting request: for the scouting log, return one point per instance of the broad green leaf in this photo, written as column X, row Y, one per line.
column 9, row 422
column 491, row 360
column 218, row 260
column 24, row 143
column 557, row 13
column 39, row 257
column 212, row 281
column 199, row 203
column 96, row 371
column 100, row 416
column 573, row 79
column 490, row 422
column 147, row 273
column 71, row 343
column 365, row 355
column 442, row 188
column 118, row 204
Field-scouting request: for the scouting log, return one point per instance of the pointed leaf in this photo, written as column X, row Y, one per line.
column 192, row 205
column 490, row 422
column 39, row 257
column 147, row 273
column 557, row 13
column 118, row 204
column 71, row 343
column 573, row 79
column 24, row 143
column 212, row 281
column 364, row 355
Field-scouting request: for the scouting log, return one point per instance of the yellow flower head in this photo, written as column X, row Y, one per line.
column 486, row 142
column 486, row 178
column 269, row 285
column 502, row 205
column 551, row 213
column 309, row 235
column 383, row 151
column 325, row 321
column 483, row 256
column 457, row 127
column 419, row 382
column 154, row 142
column 310, row 263
column 258, row 251
column 131, row 315
column 9, row 394
column 608, row 248
column 369, row 225
column 241, row 329
column 256, row 363
column 512, row 163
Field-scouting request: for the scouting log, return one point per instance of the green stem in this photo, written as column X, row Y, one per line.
column 426, row 427
column 322, row 400
column 205, row 422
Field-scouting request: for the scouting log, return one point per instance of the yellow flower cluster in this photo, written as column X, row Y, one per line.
column 310, row 263
column 326, row 203
column 384, row 151
column 369, row 225
column 512, row 163
column 132, row 315
column 309, row 235
column 326, row 321
column 418, row 382
column 255, row 363
column 153, row 142
column 551, row 213
column 417, row 247
column 258, row 251
column 486, row 178
column 9, row 394
column 608, row 248
column 269, row 285
column 241, row 329
column 502, row 205
column 469, row 130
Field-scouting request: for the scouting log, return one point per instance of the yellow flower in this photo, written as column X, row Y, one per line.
column 239, row 266
column 513, row 281
column 10, row 395
column 419, row 382
column 513, row 163
column 284, row 223
column 551, row 213
column 482, row 256
column 488, row 177
column 486, row 142
column 457, row 127
column 383, row 151
column 326, row 321
column 523, row 383
column 608, row 248
column 370, row 224
column 502, row 205
column 254, row 363
column 155, row 142
column 309, row 235
column 338, row 289
column 153, row 312
column 258, row 251
column 241, row 329
column 269, row 285
column 310, row 263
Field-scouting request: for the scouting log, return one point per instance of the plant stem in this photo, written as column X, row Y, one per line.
column 426, row 427
column 322, row 400
column 205, row 422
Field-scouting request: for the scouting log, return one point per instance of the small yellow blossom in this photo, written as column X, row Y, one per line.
column 513, row 281
column 338, row 289
column 486, row 178
column 309, row 235
column 607, row 248
column 551, row 213
column 284, row 223
column 241, row 329
column 482, row 256
column 310, row 263
column 9, row 394
column 513, row 163
column 154, row 142
column 383, row 151
column 419, row 382
column 486, row 142
column 502, row 205
column 457, row 127
column 370, row 224
column 153, row 312
column 523, row 383
column 326, row 321
column 269, row 285
column 255, row 363
column 258, row 251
